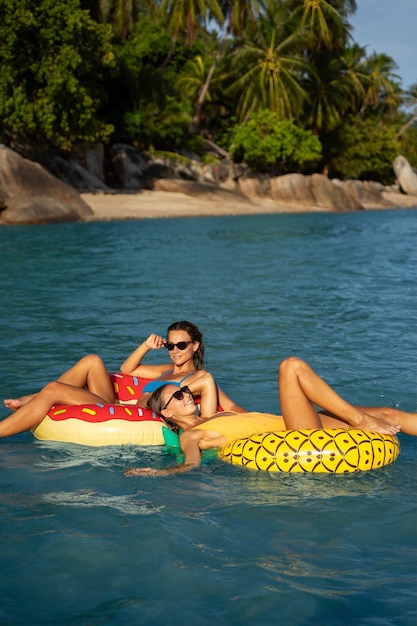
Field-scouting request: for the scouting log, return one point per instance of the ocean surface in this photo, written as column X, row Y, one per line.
column 81, row 544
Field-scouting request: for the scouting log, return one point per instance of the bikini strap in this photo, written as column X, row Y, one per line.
column 185, row 377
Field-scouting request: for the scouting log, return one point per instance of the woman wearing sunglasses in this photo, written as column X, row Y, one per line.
column 185, row 348
column 88, row 381
column 300, row 390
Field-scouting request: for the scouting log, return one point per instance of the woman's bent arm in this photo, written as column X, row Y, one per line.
column 189, row 442
column 132, row 365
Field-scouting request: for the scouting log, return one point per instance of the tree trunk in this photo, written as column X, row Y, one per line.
column 195, row 124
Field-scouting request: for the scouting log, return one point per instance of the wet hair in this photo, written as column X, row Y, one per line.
column 156, row 402
column 195, row 335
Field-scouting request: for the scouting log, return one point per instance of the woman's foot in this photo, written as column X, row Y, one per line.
column 369, row 422
column 16, row 403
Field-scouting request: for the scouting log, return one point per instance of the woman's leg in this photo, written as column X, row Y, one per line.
column 89, row 372
column 300, row 387
column 406, row 421
column 87, row 382
column 32, row 413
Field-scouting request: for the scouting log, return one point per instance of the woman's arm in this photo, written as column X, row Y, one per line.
column 228, row 404
column 204, row 385
column 189, row 443
column 132, row 365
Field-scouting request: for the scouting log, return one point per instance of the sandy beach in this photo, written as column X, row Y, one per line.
column 147, row 204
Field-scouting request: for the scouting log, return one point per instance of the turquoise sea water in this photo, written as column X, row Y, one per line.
column 83, row 545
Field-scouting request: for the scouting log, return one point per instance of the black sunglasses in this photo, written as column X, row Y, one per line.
column 181, row 345
column 178, row 395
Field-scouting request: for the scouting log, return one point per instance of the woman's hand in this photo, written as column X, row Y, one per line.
column 132, row 364
column 149, row 471
column 141, row 471
column 155, row 342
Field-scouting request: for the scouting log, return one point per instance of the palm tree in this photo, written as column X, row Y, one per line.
column 328, row 89
column 193, row 78
column 355, row 70
column 122, row 13
column 236, row 13
column 326, row 20
column 185, row 16
column 383, row 91
column 269, row 72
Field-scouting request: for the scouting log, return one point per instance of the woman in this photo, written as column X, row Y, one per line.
column 299, row 389
column 185, row 347
column 88, row 381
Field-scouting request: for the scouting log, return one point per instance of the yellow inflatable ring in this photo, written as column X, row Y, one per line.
column 336, row 451
column 105, row 424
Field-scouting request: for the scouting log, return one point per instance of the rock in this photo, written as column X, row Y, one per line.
column 255, row 186
column 3, row 199
column 364, row 192
column 292, row 188
column 33, row 195
column 128, row 166
column 209, row 173
column 332, row 196
column 91, row 158
column 158, row 170
column 76, row 175
column 313, row 191
column 406, row 176
column 38, row 210
column 199, row 189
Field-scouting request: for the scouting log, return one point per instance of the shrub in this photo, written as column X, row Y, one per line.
column 269, row 144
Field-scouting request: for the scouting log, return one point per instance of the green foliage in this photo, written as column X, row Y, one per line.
column 148, row 106
column 364, row 150
column 408, row 145
column 267, row 143
column 53, row 58
column 65, row 80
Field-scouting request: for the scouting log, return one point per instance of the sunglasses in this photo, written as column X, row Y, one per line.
column 181, row 345
column 178, row 395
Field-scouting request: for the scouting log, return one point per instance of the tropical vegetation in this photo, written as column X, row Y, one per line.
column 279, row 84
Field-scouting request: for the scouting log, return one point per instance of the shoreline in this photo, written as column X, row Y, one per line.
column 146, row 204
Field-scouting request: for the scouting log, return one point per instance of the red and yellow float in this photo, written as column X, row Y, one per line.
column 105, row 424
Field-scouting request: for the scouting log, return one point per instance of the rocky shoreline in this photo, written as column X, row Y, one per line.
column 156, row 204
column 30, row 194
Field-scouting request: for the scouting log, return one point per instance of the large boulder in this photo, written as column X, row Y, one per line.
column 38, row 210
column 75, row 175
column 329, row 195
column 255, row 186
column 313, row 191
column 31, row 195
column 366, row 193
column 292, row 188
column 128, row 166
column 406, row 176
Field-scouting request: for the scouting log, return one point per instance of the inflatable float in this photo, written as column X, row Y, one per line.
column 336, row 451
column 319, row 450
column 105, row 424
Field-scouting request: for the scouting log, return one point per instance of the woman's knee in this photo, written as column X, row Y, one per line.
column 290, row 366
column 51, row 389
column 92, row 360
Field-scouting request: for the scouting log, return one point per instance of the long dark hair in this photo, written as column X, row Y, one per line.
column 195, row 335
column 156, row 402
